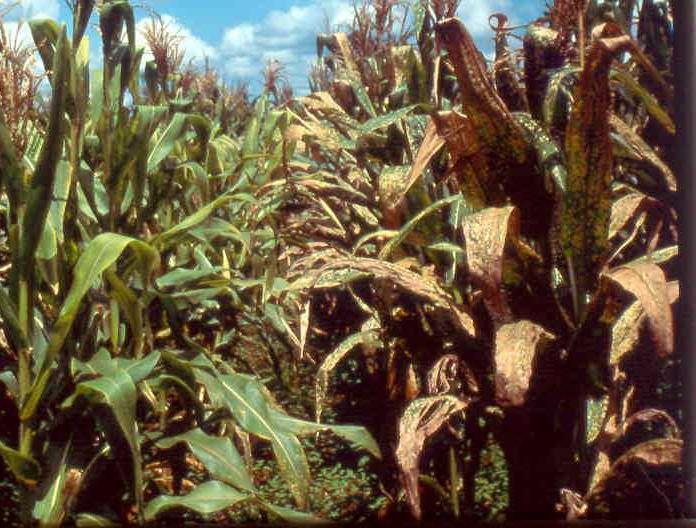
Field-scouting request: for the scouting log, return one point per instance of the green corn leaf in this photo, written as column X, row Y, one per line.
column 246, row 401
column 23, row 467
column 118, row 394
column 206, row 499
column 40, row 194
column 99, row 255
column 10, row 169
column 355, row 434
column 413, row 222
column 218, row 455
column 10, row 321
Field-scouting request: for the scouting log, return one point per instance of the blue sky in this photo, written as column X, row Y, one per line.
column 239, row 36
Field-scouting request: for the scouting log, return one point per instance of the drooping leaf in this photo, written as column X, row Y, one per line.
column 118, row 394
column 517, row 346
column 418, row 286
column 421, row 420
column 486, row 234
column 23, row 467
column 217, row 454
column 647, row 283
column 368, row 337
column 645, row 482
column 97, row 257
column 206, row 499
column 246, row 401
column 355, row 434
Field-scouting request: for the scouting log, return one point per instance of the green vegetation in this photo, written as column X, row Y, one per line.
column 398, row 296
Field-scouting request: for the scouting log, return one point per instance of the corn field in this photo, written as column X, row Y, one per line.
column 440, row 286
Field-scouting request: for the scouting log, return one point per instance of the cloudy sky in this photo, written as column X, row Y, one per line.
column 240, row 36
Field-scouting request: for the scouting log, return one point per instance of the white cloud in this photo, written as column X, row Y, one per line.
column 194, row 47
column 27, row 9
column 288, row 36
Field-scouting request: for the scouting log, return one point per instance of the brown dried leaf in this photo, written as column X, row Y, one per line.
column 624, row 209
column 421, row 420
column 429, row 147
column 344, row 269
column 646, row 481
column 643, row 151
column 443, row 374
column 486, row 233
column 646, row 281
column 654, row 419
column 516, row 348
column 448, row 374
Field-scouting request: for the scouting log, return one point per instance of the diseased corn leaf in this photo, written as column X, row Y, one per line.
column 549, row 156
column 624, row 209
column 651, row 104
column 486, row 234
column 368, row 337
column 206, row 499
column 443, row 375
column 517, row 349
column 432, row 143
column 585, row 212
column 421, row 420
column 647, row 283
column 418, row 286
column 625, row 333
column 386, row 120
column 641, row 151
column 217, row 454
column 657, row 461
column 595, row 416
column 490, row 118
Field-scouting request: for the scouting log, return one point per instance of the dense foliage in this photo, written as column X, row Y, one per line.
column 429, row 288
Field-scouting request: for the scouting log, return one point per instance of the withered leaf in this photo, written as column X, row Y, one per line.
column 516, row 348
column 646, row 281
column 345, row 269
column 421, row 420
column 645, row 482
column 585, row 210
column 486, row 233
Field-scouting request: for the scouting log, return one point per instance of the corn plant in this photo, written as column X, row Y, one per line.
column 113, row 225
column 507, row 240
